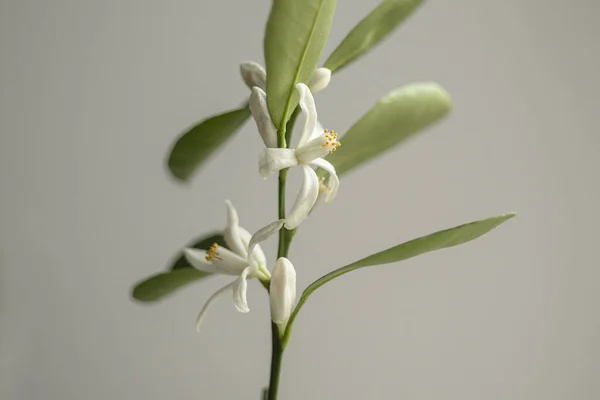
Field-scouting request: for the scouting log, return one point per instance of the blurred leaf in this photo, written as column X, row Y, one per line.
column 161, row 285
column 202, row 243
column 436, row 241
column 294, row 39
column 194, row 146
column 395, row 118
column 370, row 31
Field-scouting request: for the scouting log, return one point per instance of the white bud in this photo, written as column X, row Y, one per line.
column 260, row 113
column 320, row 79
column 253, row 74
column 282, row 292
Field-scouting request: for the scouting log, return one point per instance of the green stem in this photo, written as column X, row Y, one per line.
column 285, row 238
column 276, row 357
column 290, row 126
column 282, row 251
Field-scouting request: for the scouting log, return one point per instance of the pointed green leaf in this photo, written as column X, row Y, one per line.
column 193, row 147
column 161, row 285
column 370, row 31
column 395, row 118
column 295, row 36
column 202, row 243
column 436, row 241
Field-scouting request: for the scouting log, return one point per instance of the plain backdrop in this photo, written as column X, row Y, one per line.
column 94, row 92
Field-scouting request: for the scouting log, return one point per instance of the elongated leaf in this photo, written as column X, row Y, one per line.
column 194, row 146
column 161, row 285
column 295, row 36
column 395, row 118
column 370, row 31
column 201, row 243
column 436, row 241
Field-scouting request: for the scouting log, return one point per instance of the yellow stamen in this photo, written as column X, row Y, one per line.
column 212, row 253
column 331, row 140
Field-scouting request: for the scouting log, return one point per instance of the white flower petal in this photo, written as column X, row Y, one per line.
column 318, row 131
column 264, row 233
column 307, row 196
column 308, row 113
column 258, row 255
column 229, row 262
column 240, row 288
column 198, row 260
column 333, row 182
column 320, row 79
column 272, row 160
column 232, row 231
column 209, row 302
column 260, row 112
column 226, row 261
column 254, row 74
column 316, row 148
column 282, row 292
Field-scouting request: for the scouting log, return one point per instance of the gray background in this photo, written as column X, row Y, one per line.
column 93, row 93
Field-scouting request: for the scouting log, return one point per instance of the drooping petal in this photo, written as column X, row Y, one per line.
column 264, row 233
column 308, row 113
column 254, row 74
column 307, row 196
column 258, row 255
column 209, row 302
column 333, row 182
column 320, row 79
column 240, row 287
column 260, row 112
column 198, row 260
column 282, row 292
column 272, row 160
column 232, row 231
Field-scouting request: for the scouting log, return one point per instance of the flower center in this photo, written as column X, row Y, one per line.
column 331, row 142
column 212, row 253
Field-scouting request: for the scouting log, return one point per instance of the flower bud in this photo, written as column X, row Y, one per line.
column 260, row 113
column 253, row 74
column 320, row 79
column 282, row 292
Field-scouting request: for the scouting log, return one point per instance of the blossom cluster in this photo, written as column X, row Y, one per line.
column 243, row 258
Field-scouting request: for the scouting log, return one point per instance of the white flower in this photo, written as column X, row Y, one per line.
column 236, row 260
column 254, row 74
column 282, row 292
column 314, row 143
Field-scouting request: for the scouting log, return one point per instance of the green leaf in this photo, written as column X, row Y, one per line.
column 202, row 243
column 194, row 146
column 295, row 36
column 436, row 241
column 395, row 118
column 370, row 31
column 161, row 285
